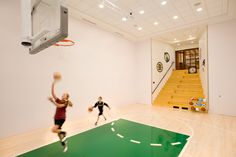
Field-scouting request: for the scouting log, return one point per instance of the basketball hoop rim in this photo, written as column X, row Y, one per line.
column 67, row 41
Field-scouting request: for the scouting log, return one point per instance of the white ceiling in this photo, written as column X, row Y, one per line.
column 189, row 22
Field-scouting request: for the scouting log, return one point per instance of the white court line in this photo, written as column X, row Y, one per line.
column 120, row 135
column 184, row 121
column 134, row 141
column 175, row 143
column 156, row 144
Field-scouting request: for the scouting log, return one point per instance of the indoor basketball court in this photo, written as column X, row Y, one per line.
column 118, row 78
column 119, row 138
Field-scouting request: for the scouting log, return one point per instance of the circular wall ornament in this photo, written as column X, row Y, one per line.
column 166, row 57
column 192, row 70
column 159, row 67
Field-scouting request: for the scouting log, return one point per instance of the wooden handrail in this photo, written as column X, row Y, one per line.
column 163, row 77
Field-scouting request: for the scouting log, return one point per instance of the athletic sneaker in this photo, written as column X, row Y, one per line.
column 63, row 133
column 64, row 139
column 63, row 136
column 65, row 148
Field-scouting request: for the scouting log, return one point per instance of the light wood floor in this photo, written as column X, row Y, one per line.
column 211, row 135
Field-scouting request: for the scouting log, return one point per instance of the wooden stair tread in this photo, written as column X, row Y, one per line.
column 178, row 90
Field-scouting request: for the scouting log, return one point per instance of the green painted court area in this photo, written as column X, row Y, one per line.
column 121, row 138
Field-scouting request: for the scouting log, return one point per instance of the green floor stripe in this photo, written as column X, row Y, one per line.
column 121, row 138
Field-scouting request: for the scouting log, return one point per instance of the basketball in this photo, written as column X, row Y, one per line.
column 57, row 76
column 193, row 108
column 190, row 103
column 90, row 109
column 203, row 109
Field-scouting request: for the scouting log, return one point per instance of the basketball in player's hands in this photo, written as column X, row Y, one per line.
column 57, row 76
column 90, row 109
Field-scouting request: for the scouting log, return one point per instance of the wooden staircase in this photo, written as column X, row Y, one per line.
column 178, row 90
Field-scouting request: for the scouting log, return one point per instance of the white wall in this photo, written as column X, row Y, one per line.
column 222, row 73
column 99, row 64
column 158, row 50
column 143, row 72
column 203, row 51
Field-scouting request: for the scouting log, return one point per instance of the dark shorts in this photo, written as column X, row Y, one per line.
column 59, row 122
column 100, row 112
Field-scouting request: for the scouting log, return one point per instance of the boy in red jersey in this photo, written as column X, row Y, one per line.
column 60, row 115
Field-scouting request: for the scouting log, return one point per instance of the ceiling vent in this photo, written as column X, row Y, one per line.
column 197, row 4
column 89, row 22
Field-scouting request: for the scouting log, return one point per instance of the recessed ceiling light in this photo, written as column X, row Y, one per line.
column 124, row 19
column 191, row 37
column 176, row 40
column 192, row 42
column 175, row 17
column 199, row 9
column 139, row 28
column 101, row 6
column 178, row 44
column 141, row 12
column 156, row 23
column 163, row 2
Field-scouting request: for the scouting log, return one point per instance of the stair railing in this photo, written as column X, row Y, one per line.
column 163, row 77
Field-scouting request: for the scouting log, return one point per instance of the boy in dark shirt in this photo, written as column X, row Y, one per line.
column 100, row 105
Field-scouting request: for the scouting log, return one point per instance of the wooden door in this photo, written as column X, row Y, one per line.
column 187, row 58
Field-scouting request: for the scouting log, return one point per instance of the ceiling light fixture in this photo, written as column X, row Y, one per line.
column 163, row 2
column 155, row 23
column 191, row 37
column 199, row 9
column 139, row 28
column 124, row 19
column 101, row 5
column 192, row 42
column 141, row 12
column 175, row 17
column 108, row 4
column 176, row 40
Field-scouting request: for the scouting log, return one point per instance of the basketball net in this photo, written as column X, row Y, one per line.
column 65, row 42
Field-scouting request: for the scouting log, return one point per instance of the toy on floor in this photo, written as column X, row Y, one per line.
column 198, row 104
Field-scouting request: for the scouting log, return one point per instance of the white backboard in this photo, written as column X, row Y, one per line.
column 44, row 23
